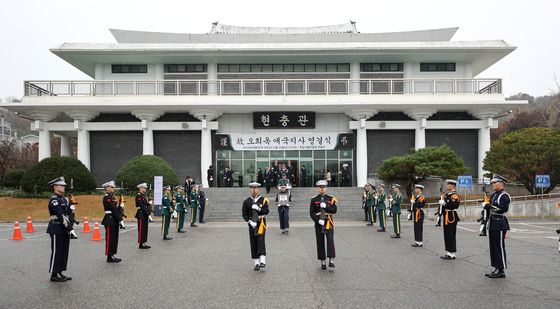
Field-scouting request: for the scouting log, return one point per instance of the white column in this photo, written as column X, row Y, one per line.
column 420, row 135
column 65, row 146
column 483, row 145
column 44, row 143
column 205, row 151
column 83, row 147
column 212, row 78
column 361, row 154
column 148, row 140
column 355, row 78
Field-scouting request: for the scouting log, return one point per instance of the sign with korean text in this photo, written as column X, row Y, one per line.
column 284, row 120
column 464, row 182
column 284, row 141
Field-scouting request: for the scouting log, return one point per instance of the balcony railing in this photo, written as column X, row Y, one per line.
column 263, row 87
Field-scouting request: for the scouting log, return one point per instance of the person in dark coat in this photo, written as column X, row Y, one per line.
column 210, row 176
column 59, row 229
column 143, row 212
column 111, row 220
column 254, row 211
column 498, row 226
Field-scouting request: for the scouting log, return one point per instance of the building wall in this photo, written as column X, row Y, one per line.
column 103, row 72
column 111, row 150
column 181, row 149
column 383, row 144
column 464, row 142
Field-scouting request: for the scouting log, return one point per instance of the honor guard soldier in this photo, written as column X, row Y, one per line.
column 143, row 215
column 498, row 226
column 322, row 209
column 364, row 196
column 202, row 201
column 166, row 211
column 418, row 215
column 59, row 229
column 254, row 210
column 381, row 207
column 181, row 208
column 283, row 200
column 396, row 208
column 451, row 202
column 111, row 220
column 370, row 201
column 193, row 202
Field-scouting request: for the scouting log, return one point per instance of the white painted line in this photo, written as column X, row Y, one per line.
column 541, row 227
column 466, row 229
column 128, row 230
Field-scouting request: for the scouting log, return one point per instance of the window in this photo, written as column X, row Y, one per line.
column 437, row 67
column 269, row 68
column 381, row 67
column 185, row 68
column 129, row 68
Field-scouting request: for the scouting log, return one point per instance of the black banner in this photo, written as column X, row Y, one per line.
column 284, row 120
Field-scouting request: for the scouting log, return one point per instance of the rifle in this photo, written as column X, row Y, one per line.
column 409, row 216
column 255, row 218
column 72, row 201
column 121, row 204
column 439, row 213
column 322, row 216
column 150, row 206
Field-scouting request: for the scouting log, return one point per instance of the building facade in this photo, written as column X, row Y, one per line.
column 327, row 98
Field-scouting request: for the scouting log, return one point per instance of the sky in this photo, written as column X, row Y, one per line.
column 28, row 28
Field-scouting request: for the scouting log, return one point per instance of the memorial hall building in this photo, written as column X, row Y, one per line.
column 244, row 97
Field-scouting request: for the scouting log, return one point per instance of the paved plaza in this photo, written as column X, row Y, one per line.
column 210, row 266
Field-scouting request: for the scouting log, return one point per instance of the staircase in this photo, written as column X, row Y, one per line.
column 225, row 203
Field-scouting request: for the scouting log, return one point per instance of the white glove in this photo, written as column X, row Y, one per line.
column 255, row 207
column 323, row 205
column 150, row 219
column 72, row 207
column 252, row 223
column 321, row 222
column 441, row 202
column 73, row 233
column 122, row 223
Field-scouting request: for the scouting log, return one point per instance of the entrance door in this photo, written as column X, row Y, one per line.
column 291, row 165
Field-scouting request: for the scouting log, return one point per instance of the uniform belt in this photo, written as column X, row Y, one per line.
column 495, row 214
column 164, row 207
column 54, row 217
column 108, row 212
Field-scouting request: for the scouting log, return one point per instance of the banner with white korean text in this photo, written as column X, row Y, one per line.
column 285, row 141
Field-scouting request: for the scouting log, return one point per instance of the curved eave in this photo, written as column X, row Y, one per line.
column 481, row 54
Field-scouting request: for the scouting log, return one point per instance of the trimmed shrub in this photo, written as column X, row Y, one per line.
column 36, row 178
column 143, row 169
column 13, row 178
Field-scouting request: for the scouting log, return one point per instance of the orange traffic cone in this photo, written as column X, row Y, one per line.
column 96, row 235
column 29, row 228
column 17, row 232
column 86, row 226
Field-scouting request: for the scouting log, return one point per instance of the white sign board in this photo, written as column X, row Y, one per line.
column 158, row 189
column 284, row 141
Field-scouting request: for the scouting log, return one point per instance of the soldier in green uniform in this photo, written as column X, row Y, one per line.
column 193, row 203
column 166, row 211
column 397, row 201
column 381, row 207
column 369, row 204
column 181, row 208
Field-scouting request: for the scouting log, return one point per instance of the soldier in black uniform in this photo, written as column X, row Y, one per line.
column 143, row 215
column 321, row 209
column 111, row 220
column 498, row 226
column 254, row 210
column 451, row 202
column 418, row 215
column 210, row 176
column 59, row 229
